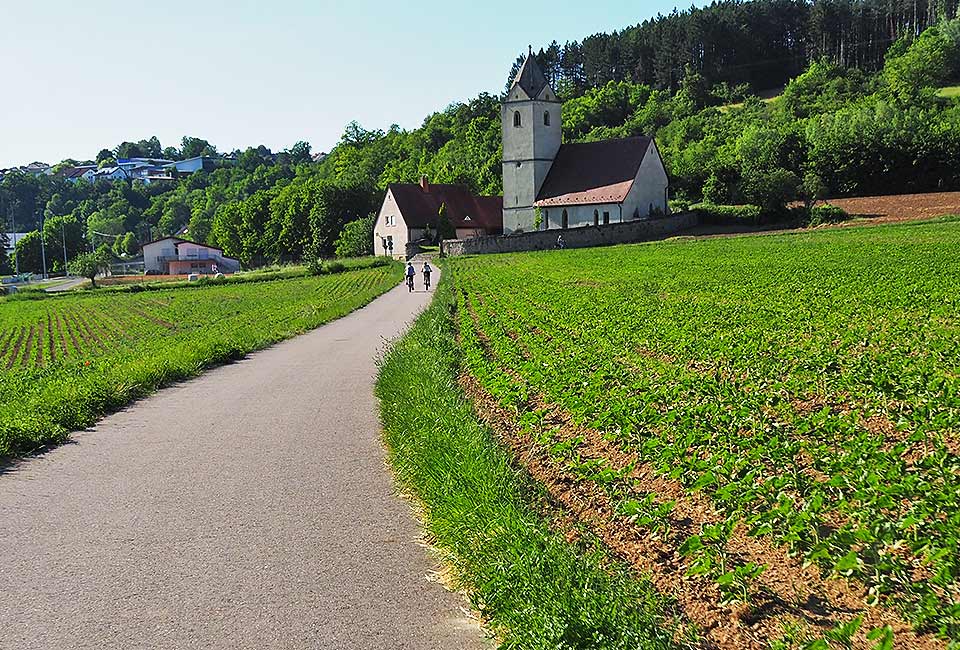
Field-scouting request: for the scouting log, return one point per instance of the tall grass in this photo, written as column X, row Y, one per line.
column 534, row 589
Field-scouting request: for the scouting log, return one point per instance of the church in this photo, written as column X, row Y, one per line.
column 547, row 185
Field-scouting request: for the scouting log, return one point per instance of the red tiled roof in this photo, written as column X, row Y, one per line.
column 585, row 173
column 421, row 207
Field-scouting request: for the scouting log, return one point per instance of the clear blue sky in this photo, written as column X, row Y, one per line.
column 80, row 76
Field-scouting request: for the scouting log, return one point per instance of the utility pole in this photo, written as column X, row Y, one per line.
column 63, row 237
column 43, row 249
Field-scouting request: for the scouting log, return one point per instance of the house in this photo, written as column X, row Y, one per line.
column 74, row 174
column 196, row 164
column 111, row 174
column 412, row 211
column 551, row 185
column 176, row 256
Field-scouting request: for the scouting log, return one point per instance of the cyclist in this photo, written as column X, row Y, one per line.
column 410, row 273
column 426, row 275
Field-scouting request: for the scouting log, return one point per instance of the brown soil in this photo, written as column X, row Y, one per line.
column 902, row 207
column 153, row 319
column 12, row 359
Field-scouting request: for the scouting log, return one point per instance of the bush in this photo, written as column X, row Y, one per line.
column 827, row 213
column 315, row 266
column 727, row 214
column 678, row 205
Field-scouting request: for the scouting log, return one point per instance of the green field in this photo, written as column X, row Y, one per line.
column 767, row 426
column 66, row 360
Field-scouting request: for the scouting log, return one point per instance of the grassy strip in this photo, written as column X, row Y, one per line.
column 156, row 283
column 532, row 587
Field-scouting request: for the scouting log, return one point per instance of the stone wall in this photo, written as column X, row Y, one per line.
column 615, row 233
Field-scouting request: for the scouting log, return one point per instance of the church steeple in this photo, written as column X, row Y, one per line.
column 530, row 120
column 530, row 77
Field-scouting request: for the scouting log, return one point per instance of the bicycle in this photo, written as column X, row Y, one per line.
column 410, row 283
column 426, row 281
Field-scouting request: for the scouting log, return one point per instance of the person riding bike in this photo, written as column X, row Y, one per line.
column 410, row 273
column 426, row 275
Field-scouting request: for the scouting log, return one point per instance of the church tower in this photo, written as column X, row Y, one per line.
column 530, row 118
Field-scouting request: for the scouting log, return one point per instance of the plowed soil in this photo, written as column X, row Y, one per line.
column 902, row 207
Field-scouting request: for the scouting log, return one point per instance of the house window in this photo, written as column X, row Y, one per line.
column 546, row 118
column 606, row 217
column 596, row 218
column 563, row 220
column 516, row 118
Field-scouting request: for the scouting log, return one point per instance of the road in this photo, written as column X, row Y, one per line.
column 248, row 508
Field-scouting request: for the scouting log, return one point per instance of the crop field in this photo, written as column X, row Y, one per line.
column 766, row 427
column 65, row 360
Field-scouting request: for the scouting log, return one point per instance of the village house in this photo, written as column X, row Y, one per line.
column 176, row 256
column 551, row 185
column 412, row 212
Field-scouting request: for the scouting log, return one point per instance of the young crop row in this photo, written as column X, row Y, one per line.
column 66, row 360
column 807, row 386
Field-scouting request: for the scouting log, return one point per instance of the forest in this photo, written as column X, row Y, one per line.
column 859, row 113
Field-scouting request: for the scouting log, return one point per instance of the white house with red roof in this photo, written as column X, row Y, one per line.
column 572, row 185
column 413, row 211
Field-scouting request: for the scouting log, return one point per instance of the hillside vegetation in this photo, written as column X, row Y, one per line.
column 763, row 427
column 859, row 115
column 66, row 360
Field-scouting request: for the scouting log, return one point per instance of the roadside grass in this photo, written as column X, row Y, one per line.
column 533, row 588
column 949, row 92
column 65, row 361
column 268, row 274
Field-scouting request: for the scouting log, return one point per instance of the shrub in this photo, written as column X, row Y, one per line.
column 727, row 214
column 827, row 214
column 334, row 267
column 678, row 205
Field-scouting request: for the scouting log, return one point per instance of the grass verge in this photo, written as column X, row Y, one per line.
column 532, row 587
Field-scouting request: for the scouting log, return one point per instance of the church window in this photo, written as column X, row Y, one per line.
column 606, row 217
column 563, row 220
column 546, row 118
column 516, row 118
column 596, row 217
column 546, row 220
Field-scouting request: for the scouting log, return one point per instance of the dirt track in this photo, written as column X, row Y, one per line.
column 249, row 508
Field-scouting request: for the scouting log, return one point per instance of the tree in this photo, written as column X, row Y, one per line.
column 445, row 227
column 105, row 154
column 356, row 238
column 193, row 147
column 89, row 265
column 29, row 253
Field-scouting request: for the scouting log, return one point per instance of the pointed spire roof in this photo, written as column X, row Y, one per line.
column 530, row 77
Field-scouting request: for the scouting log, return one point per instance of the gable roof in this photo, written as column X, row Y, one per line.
column 420, row 206
column 584, row 173
column 530, row 77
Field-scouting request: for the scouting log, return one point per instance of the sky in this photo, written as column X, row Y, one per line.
column 78, row 77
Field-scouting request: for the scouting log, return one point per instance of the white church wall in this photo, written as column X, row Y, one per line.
column 579, row 216
column 649, row 187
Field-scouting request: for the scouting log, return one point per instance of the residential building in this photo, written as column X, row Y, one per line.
column 176, row 256
column 197, row 163
column 570, row 185
column 412, row 212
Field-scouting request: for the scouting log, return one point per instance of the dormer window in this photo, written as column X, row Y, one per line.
column 516, row 119
column 546, row 118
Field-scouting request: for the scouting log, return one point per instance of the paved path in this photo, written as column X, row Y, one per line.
column 249, row 508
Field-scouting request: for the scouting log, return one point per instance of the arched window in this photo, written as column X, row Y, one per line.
column 563, row 220
column 546, row 220
column 516, row 118
column 546, row 118
column 596, row 217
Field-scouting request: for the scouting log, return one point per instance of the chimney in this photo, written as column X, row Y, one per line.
column 424, row 185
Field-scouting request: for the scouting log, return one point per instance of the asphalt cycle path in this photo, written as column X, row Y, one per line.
column 248, row 508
